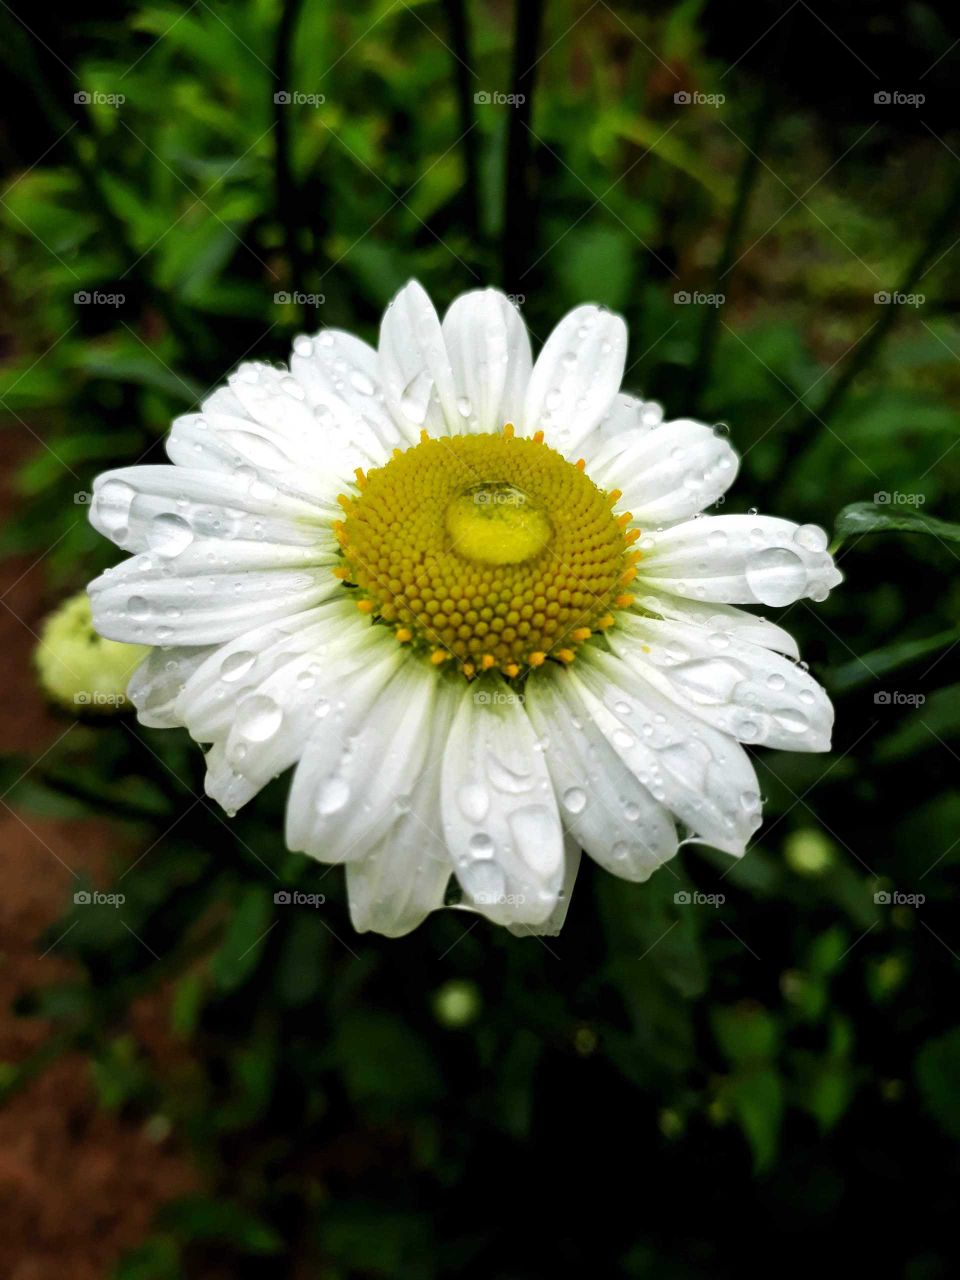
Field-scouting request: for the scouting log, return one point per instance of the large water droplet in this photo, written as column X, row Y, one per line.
column 333, row 795
column 415, row 400
column 481, row 845
column 811, row 537
column 258, row 717
column 776, row 576
column 168, row 535
column 575, row 800
column 474, row 801
column 236, row 665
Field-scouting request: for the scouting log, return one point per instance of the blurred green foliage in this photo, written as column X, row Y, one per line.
column 461, row 1101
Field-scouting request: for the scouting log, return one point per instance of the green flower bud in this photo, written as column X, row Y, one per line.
column 78, row 669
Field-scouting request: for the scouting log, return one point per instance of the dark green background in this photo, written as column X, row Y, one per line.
column 663, row 1087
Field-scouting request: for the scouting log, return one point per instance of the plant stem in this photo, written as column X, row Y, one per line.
column 519, row 217
column 460, row 42
column 944, row 223
column 284, row 185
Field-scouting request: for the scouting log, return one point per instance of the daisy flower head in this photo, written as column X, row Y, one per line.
column 472, row 599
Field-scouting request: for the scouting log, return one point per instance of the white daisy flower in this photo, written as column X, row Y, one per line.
column 472, row 600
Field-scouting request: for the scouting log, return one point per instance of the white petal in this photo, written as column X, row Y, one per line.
column 613, row 816
column 744, row 690
column 666, row 474
column 404, row 877
column 499, row 812
column 725, row 623
column 489, row 351
column 341, row 376
column 415, row 368
column 702, row 776
column 273, row 724
column 165, row 509
column 361, row 763
column 576, row 377
column 158, row 681
column 740, row 560
column 208, row 703
column 626, row 413
column 555, row 920
column 211, row 593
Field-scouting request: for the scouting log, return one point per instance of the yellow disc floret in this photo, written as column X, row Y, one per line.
column 485, row 551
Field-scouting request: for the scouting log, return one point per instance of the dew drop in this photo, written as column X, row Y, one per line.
column 333, row 795
column 237, row 665
column 168, row 535
column 258, row 717
column 575, row 800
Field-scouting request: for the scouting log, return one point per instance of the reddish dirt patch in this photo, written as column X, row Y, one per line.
column 78, row 1186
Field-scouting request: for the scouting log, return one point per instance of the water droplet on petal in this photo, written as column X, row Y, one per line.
column 168, row 535
column 237, row 665
column 258, row 717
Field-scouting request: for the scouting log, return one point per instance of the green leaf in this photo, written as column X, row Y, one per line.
column 866, row 517
column 937, row 1069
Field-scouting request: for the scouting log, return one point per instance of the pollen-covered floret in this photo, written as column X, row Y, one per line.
column 489, row 551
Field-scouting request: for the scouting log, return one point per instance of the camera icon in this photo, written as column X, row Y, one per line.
column 82, row 98
column 682, row 298
column 882, row 698
column 882, row 299
column 482, row 98
column 682, row 898
column 282, row 98
column 81, row 698
column 882, row 898
column 82, row 898
column 482, row 697
column 882, row 98
column 282, row 299
column 881, row 498
column 682, row 98
column 82, row 298
column 82, row 499
column 282, row 898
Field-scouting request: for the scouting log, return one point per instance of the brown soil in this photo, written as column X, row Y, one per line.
column 78, row 1186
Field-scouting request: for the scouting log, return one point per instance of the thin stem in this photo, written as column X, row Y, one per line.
column 519, row 214
column 26, row 66
column 943, row 224
column 284, row 184
column 460, row 42
column 747, row 180
column 749, row 171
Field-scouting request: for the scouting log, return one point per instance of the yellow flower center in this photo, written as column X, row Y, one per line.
column 489, row 551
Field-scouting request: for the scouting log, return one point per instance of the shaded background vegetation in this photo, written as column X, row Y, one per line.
column 633, row 1097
